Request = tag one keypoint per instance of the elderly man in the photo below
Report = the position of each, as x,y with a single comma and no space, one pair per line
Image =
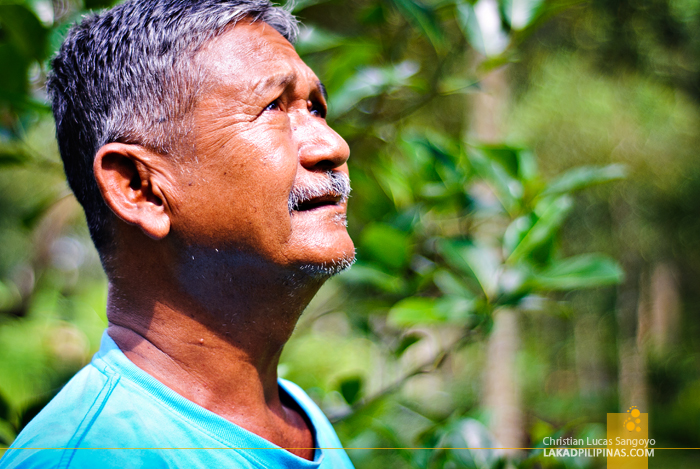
195,139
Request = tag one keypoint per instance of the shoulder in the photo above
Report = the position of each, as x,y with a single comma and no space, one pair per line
63,422
94,421
101,419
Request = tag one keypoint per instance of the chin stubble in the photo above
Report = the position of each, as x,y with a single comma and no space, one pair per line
328,269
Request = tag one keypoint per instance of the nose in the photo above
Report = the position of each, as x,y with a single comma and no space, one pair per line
320,147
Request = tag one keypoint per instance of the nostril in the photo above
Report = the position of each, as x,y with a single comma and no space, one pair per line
326,165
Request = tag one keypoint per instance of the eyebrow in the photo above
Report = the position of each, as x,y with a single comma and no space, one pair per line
281,80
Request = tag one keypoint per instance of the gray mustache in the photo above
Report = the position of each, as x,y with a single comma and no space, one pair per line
334,183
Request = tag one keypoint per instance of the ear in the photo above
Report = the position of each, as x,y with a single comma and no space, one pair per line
131,185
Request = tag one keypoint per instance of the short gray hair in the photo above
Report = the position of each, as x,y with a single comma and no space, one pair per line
128,75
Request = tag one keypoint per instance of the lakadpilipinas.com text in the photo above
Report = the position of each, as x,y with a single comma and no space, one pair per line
593,447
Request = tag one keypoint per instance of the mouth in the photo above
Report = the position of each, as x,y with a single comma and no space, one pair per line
330,191
329,200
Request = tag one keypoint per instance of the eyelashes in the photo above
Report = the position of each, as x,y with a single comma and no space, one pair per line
316,108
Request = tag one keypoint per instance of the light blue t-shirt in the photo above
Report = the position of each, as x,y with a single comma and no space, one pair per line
112,414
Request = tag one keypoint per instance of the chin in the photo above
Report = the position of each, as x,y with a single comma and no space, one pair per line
326,270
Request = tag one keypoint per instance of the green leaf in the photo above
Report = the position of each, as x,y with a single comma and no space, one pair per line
351,389
414,310
497,173
299,5
510,284
351,56
456,309
443,155
527,165
37,210
457,85
362,273
449,284
13,158
554,214
24,30
13,79
406,341
422,17
519,14
5,408
582,177
98,4
470,433
422,310
20,99
470,26
480,262
312,39
371,81
10,296
505,156
584,271
520,163
480,23
385,244
516,231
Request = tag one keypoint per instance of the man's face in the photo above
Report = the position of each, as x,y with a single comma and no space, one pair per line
260,130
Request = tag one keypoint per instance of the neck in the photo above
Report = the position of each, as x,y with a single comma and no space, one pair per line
214,340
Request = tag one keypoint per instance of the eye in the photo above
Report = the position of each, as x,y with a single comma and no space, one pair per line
317,109
273,106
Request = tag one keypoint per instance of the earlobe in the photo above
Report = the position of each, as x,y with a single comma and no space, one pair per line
131,187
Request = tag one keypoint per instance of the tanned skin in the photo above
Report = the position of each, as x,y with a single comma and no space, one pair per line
206,276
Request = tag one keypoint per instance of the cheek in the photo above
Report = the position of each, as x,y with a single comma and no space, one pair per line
238,193
271,158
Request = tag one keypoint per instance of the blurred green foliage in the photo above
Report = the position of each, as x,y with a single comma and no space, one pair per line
598,163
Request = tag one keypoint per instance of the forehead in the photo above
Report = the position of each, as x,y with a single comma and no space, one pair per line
251,52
